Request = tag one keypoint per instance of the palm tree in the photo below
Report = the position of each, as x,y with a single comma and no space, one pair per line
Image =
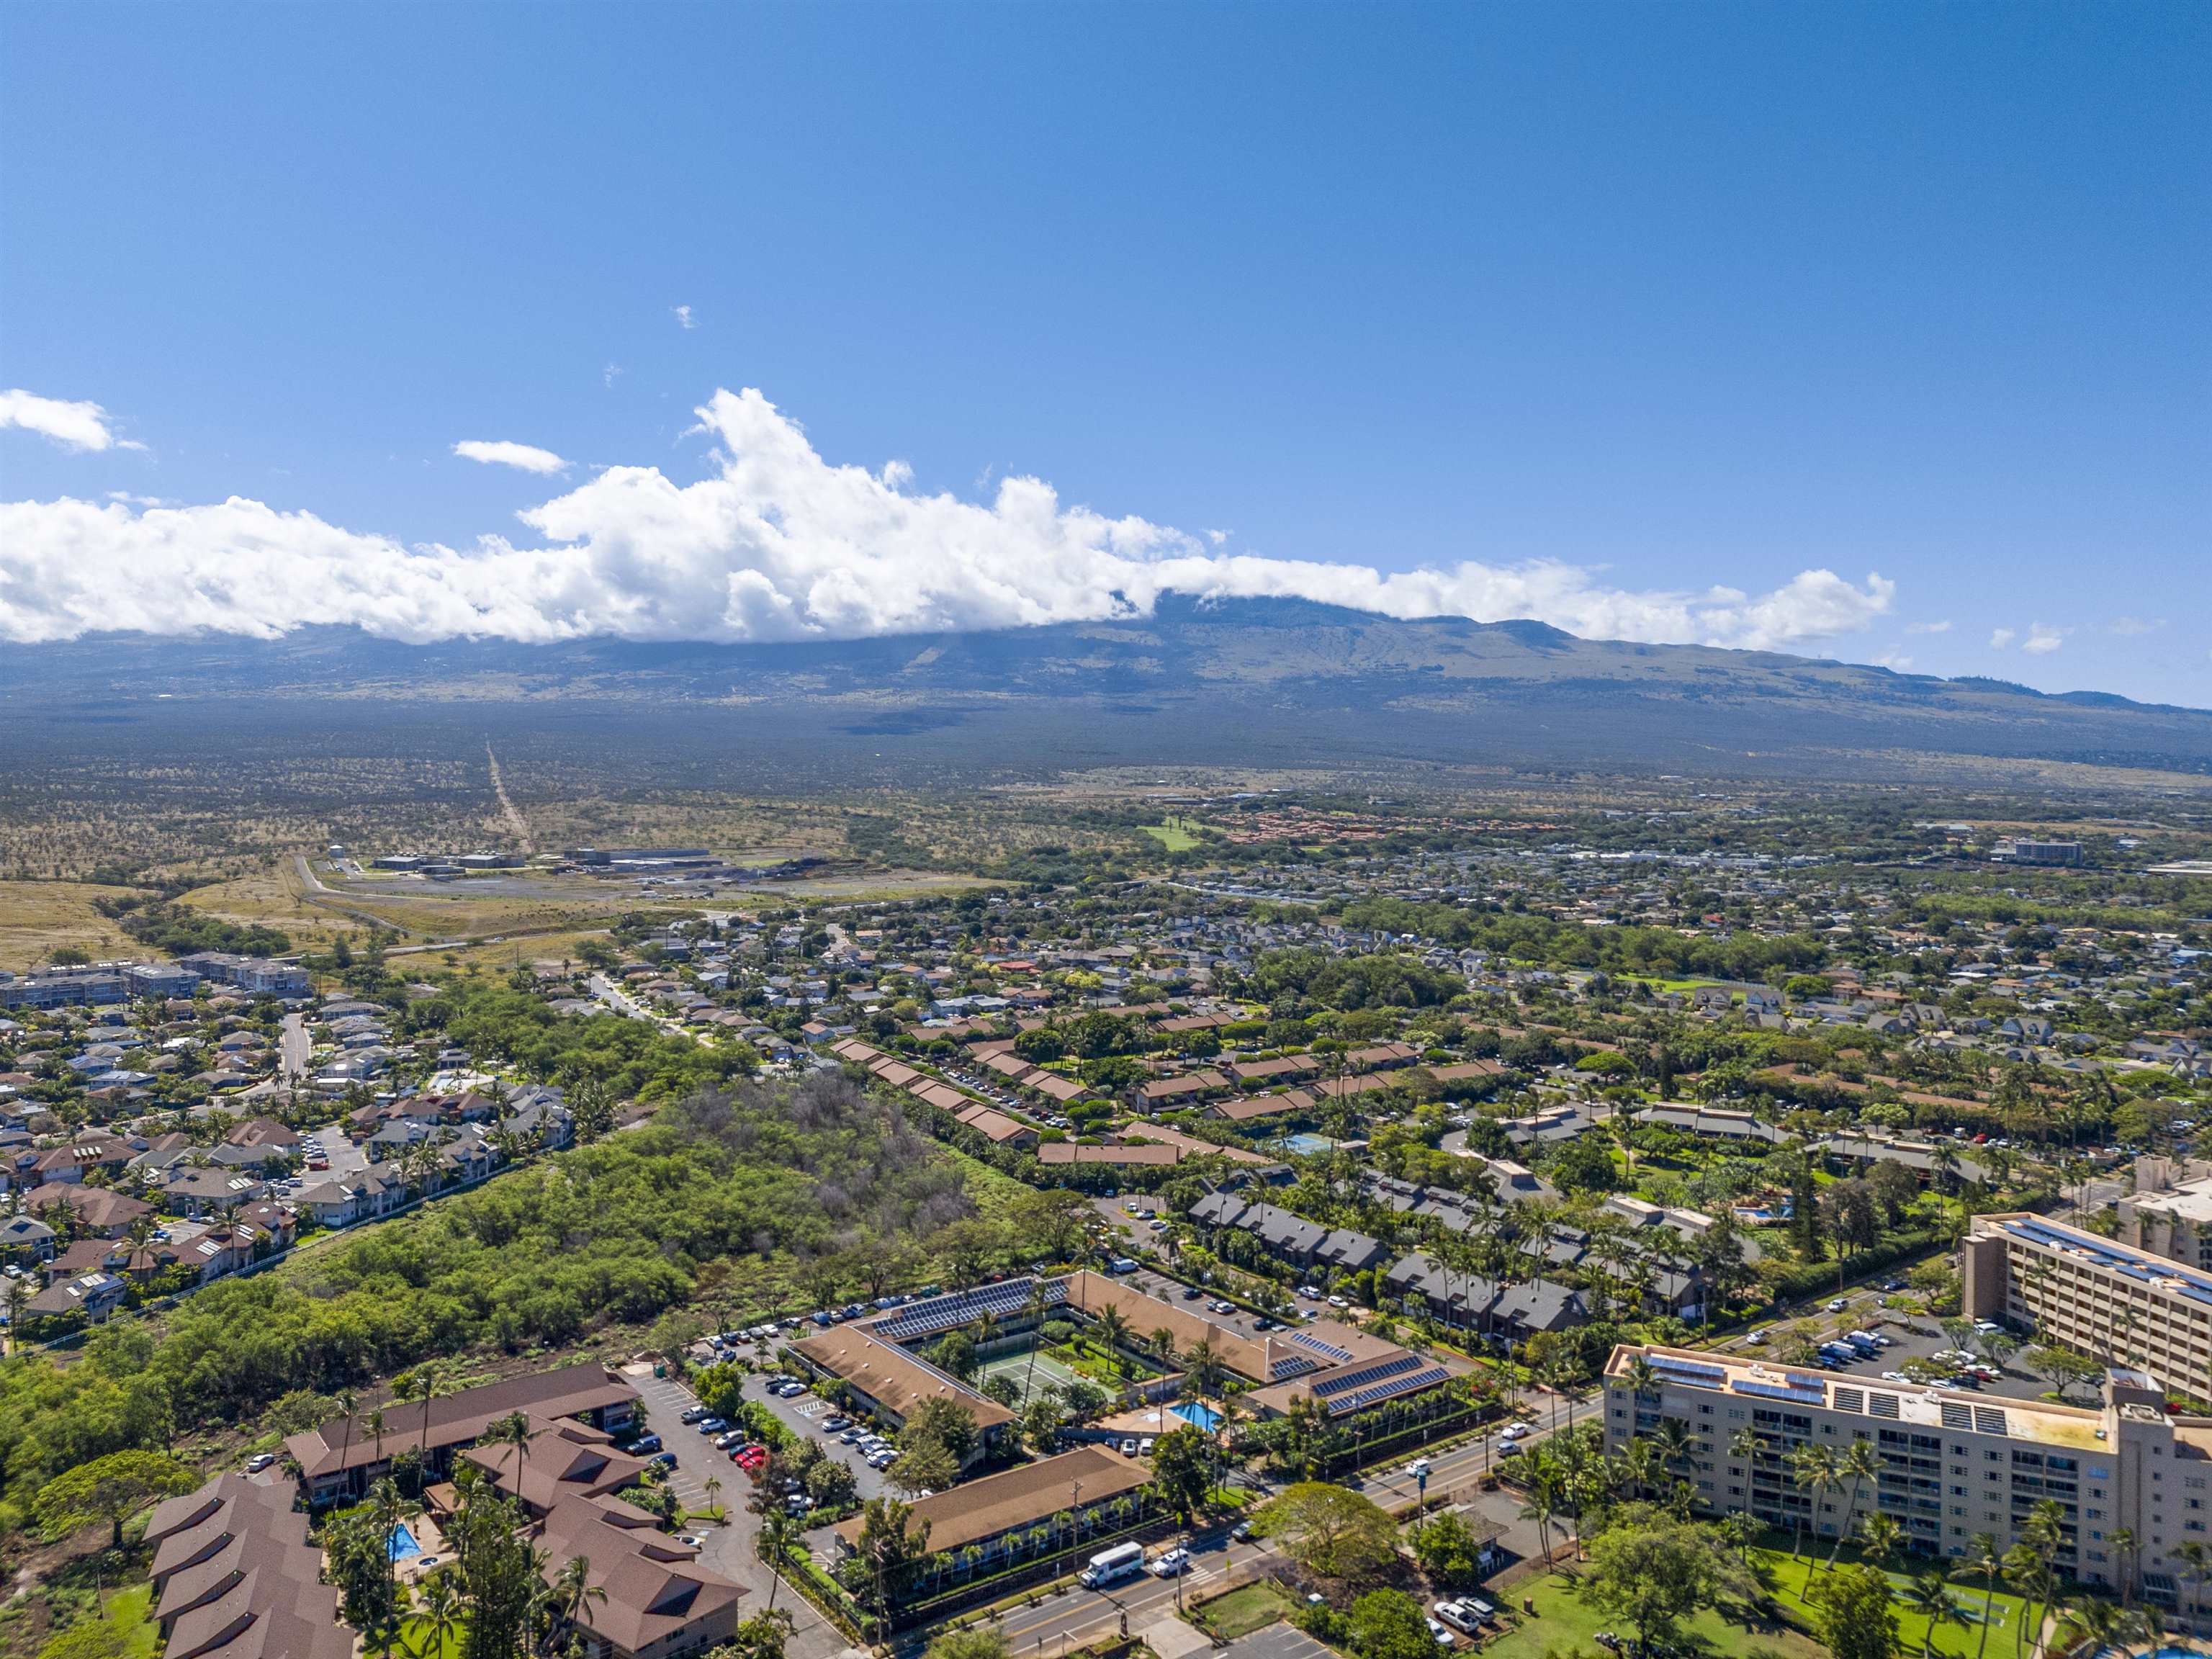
346,1403
1111,1329
1926,1596
442,1618
1542,1505
2196,1558
375,1427
427,1378
714,1488
775,1544
1813,1469
1982,1561
1671,1438
1745,1445
2023,1572
18,1300
1880,1537
513,1430
2123,1541
573,1592
1033,1311
1856,1462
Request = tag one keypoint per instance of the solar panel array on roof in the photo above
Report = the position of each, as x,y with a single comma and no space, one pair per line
945,1313
2146,1269
1688,1372
1811,1396
1332,1386
1307,1339
1374,1393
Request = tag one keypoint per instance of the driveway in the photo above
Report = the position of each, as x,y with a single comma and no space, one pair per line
729,1549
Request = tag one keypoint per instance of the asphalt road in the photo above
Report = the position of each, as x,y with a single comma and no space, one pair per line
296,1049
1075,1616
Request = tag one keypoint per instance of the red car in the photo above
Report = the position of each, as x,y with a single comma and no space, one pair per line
750,1459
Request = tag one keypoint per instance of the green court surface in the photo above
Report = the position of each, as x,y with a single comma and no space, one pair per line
1015,1368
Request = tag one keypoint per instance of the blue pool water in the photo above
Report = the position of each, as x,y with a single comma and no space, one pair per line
1203,1417
402,1543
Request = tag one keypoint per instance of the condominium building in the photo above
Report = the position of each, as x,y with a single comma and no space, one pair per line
2176,1223
2104,1298
1951,1465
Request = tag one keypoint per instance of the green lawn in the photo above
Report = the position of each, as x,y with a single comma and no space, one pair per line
1172,836
414,1636
129,1613
1787,1578
1253,1607
1563,1620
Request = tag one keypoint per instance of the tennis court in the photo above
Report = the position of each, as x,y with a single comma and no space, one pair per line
1050,1373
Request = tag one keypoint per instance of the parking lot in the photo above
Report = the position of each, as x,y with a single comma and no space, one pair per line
804,1415
1906,1344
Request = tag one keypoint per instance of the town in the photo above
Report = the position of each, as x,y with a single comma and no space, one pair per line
1380,1222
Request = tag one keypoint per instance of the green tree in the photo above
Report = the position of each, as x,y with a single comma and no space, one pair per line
1855,1618
1329,1529
111,1489
891,1545
1182,1469
1389,1623
1447,1552
1653,1571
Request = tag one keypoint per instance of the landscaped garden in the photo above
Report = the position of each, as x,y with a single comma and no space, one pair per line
1563,1619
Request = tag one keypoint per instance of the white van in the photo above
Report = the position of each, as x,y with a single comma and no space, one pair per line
1112,1566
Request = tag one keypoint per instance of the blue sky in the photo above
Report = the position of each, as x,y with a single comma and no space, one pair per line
1591,309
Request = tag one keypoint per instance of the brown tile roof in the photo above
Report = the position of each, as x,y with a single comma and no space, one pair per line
978,1510
459,1419
1068,1152
889,1374
1248,1107
655,1588
564,1459
1089,1292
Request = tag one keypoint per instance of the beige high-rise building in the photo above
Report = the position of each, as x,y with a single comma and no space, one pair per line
1952,1465
2111,1301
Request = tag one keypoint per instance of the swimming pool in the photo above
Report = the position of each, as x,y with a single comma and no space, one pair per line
402,1544
1203,1417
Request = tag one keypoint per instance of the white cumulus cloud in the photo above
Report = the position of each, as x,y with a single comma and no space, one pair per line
1928,628
684,318
2041,641
500,453
2002,637
81,426
777,544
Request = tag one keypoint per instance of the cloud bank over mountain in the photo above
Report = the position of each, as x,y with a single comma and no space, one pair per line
775,544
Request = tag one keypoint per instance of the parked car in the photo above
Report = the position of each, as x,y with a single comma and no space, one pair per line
259,1461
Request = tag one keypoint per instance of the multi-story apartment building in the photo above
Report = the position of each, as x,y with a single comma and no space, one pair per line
1952,1465
2176,1223
2108,1300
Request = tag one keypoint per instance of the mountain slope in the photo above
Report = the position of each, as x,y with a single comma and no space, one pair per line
1270,681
